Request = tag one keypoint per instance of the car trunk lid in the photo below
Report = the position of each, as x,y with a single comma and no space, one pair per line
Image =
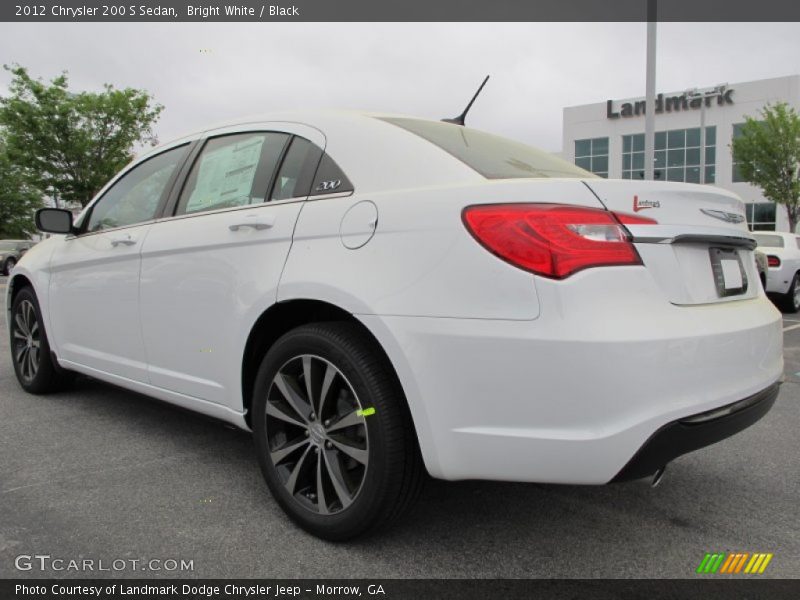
699,249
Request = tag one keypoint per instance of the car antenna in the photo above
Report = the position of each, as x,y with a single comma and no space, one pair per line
459,120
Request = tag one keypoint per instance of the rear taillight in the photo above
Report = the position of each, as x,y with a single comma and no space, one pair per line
773,261
552,240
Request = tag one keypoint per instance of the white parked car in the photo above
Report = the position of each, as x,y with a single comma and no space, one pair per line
378,296
783,267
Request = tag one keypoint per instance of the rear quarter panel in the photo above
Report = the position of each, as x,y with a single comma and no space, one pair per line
421,261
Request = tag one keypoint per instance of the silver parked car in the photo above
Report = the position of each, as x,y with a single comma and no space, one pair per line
10,253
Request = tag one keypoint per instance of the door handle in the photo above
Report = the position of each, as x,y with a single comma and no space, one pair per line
258,224
128,241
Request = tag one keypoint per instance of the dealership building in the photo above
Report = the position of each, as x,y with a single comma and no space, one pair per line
607,138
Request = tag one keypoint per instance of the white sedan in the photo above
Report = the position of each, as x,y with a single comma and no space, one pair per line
783,267
377,297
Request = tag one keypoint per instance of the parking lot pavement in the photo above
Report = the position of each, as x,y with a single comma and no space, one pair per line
106,474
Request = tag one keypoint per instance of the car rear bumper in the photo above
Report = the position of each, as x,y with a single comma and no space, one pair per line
571,397
697,431
779,279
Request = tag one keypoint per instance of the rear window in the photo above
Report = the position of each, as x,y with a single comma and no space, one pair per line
297,169
492,156
769,241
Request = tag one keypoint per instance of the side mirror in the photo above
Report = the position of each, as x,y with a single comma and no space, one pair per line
54,220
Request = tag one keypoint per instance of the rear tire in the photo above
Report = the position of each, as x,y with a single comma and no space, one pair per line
34,366
8,265
346,462
791,299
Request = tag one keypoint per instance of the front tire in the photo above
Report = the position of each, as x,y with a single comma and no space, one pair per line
791,300
34,366
333,432
9,265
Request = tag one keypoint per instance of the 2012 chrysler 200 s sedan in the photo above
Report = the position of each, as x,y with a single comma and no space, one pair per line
378,296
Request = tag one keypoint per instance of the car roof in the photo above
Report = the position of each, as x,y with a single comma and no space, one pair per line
319,118
351,136
312,117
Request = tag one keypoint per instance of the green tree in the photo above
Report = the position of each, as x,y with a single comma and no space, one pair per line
767,151
73,142
18,200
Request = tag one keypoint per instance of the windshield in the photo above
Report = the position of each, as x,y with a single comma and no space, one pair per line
769,241
492,156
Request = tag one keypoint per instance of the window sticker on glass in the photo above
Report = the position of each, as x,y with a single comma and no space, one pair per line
225,177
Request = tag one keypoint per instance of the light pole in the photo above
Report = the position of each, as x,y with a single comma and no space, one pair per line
650,92
704,96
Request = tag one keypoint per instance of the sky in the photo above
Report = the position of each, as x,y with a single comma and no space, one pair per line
207,73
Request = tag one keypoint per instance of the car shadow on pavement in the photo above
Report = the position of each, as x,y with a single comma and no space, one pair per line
193,476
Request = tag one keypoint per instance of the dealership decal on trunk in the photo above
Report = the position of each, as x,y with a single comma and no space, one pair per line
642,204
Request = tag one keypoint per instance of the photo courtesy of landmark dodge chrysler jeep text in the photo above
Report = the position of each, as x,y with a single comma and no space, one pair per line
379,296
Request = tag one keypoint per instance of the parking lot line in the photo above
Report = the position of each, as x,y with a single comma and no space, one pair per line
792,327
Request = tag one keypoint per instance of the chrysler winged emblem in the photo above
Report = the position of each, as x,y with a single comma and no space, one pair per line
728,217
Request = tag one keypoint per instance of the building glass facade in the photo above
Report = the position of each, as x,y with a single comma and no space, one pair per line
760,216
592,155
677,155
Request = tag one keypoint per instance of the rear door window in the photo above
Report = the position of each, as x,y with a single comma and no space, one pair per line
297,170
307,170
232,171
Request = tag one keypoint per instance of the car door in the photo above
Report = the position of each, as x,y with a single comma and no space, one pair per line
219,257
94,284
